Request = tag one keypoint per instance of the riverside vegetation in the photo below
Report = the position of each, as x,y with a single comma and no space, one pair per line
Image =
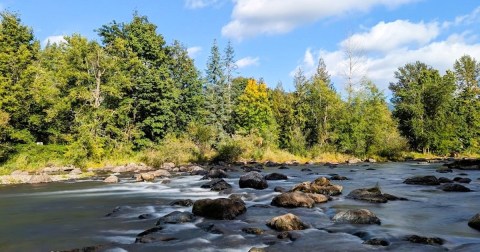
134,98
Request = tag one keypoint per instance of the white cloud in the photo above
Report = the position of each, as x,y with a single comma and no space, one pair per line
57,39
253,17
193,51
473,17
389,36
248,61
198,4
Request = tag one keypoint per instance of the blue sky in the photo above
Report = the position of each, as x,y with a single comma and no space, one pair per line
273,38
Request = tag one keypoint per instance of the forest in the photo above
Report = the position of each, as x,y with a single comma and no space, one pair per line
131,97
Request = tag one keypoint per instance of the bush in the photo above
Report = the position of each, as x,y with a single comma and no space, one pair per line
32,156
228,152
171,149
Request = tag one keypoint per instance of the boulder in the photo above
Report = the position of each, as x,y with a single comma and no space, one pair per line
215,173
111,179
161,173
221,209
42,178
283,167
318,198
321,185
373,194
377,242
276,176
255,231
462,180
168,166
306,170
422,180
253,180
279,189
290,235
293,199
146,216
474,222
75,171
424,240
454,188
286,222
356,216
182,202
338,177
371,160
466,164
147,177
176,218
353,161
217,185
443,180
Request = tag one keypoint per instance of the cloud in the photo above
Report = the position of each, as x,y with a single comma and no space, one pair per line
383,57
389,36
254,17
248,61
472,17
198,4
193,51
56,39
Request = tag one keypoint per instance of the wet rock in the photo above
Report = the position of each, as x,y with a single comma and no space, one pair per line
150,231
253,180
318,198
462,180
466,164
373,194
151,239
279,189
119,210
176,218
146,216
253,230
454,188
293,199
422,180
338,177
463,174
93,248
217,185
444,169
306,170
283,167
250,169
182,202
443,180
216,173
42,178
474,222
377,242
356,216
211,228
199,172
276,176
290,235
111,179
147,177
222,208
424,240
370,169
161,173
271,164
286,222
254,249
320,185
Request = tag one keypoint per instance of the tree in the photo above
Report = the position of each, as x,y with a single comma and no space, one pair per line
215,81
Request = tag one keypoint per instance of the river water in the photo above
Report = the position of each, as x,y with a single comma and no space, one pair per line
62,216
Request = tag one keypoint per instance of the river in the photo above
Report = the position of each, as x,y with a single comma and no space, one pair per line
68,215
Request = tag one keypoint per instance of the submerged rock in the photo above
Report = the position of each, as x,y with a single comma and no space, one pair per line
146,216
338,177
444,169
443,180
424,240
454,188
320,185
252,230
422,180
279,189
474,222
286,222
276,176
253,180
221,209
356,216
377,242
462,180
111,179
182,202
373,194
176,218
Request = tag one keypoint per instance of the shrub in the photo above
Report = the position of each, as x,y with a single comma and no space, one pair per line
171,149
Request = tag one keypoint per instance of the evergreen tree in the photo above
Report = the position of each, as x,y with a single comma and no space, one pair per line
215,81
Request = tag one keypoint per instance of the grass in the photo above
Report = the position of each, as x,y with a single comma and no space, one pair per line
31,157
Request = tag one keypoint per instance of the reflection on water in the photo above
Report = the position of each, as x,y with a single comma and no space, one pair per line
61,216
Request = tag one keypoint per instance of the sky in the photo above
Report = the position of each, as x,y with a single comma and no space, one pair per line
274,38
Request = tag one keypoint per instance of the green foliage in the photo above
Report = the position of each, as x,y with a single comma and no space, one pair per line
32,156
179,150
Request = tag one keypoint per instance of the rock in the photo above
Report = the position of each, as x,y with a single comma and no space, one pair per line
422,180
279,189
276,176
182,202
454,188
146,216
161,173
293,199
425,240
318,198
443,180
474,222
290,235
216,173
465,164
462,180
255,231
176,218
222,208
147,177
443,169
253,180
75,171
283,167
42,178
371,160
211,228
286,222
271,164
371,195
168,166
370,169
119,211
321,185
377,242
19,173
217,185
356,216
353,161
338,177
150,239
254,249
306,170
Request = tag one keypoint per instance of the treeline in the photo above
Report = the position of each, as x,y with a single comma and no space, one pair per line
133,93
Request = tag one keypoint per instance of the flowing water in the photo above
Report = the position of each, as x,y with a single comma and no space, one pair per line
62,216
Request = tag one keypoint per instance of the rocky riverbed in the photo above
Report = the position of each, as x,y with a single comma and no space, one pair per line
350,207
